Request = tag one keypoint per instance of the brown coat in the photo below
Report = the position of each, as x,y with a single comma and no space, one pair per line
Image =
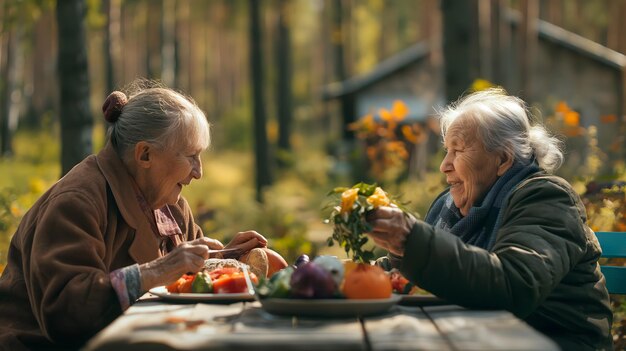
55,290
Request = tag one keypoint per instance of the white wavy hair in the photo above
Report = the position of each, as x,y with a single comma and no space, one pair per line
161,116
503,123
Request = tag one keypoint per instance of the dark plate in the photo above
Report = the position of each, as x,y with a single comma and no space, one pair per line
332,308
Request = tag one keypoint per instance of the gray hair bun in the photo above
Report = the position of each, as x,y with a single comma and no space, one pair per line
113,105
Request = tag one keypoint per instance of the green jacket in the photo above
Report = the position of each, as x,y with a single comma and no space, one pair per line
543,266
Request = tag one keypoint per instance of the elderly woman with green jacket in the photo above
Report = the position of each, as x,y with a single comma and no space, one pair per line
112,228
506,233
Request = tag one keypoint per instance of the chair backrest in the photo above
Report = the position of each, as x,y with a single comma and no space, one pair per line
613,245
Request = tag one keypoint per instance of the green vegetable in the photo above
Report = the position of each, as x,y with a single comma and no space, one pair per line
280,283
277,285
202,283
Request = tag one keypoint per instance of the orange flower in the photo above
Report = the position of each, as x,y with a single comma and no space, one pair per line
562,107
385,115
369,124
571,118
378,198
399,110
397,148
348,198
408,134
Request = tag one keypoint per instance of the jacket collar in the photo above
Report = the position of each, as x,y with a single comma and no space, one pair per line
144,247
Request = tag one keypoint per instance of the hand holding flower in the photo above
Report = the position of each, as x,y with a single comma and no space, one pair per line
390,226
350,222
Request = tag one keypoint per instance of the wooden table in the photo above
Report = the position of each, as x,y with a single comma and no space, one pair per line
159,325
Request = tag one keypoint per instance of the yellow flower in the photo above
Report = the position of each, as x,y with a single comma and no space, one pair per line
348,198
378,198
36,185
481,84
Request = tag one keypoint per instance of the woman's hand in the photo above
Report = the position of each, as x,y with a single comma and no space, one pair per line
390,226
246,241
187,257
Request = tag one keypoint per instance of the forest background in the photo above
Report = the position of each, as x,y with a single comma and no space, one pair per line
258,70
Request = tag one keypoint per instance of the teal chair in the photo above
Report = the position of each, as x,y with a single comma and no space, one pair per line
613,246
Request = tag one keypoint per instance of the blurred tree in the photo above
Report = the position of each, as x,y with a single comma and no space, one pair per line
339,35
41,92
12,75
485,44
183,66
457,50
168,43
5,88
528,44
500,41
111,42
263,177
283,86
76,119
153,39
6,45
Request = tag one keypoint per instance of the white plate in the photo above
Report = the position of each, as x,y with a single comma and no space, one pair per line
328,307
162,292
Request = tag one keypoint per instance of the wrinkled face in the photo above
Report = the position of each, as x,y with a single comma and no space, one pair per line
470,170
170,170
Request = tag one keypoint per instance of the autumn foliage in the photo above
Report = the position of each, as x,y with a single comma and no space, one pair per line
388,137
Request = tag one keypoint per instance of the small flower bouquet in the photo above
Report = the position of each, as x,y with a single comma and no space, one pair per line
348,218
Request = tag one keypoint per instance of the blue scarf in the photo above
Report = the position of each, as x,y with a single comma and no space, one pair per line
482,222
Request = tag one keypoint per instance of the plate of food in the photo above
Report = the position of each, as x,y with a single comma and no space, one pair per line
411,294
221,280
162,292
331,308
327,287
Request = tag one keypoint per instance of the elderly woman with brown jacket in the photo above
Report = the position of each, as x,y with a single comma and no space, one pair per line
506,233
112,228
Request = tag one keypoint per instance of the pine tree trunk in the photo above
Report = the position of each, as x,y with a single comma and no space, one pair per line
168,41
76,119
339,39
283,86
528,43
5,91
457,48
263,178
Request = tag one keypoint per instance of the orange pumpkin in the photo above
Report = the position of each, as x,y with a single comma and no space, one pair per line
366,282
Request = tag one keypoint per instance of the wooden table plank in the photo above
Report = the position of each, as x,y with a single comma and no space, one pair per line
406,328
486,330
158,326
259,330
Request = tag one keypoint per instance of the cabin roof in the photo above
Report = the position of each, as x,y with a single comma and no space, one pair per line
382,70
415,53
